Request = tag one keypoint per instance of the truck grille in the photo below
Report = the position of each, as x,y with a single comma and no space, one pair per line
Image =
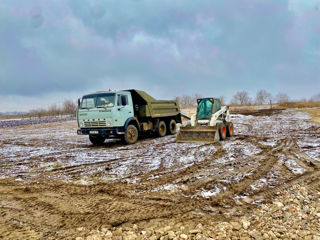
95,124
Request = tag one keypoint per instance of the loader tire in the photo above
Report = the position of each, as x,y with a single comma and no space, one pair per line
96,140
131,135
161,129
230,130
222,132
172,127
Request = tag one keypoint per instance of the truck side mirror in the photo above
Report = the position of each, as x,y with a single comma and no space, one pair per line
78,102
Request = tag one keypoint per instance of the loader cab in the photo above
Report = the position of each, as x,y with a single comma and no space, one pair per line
207,107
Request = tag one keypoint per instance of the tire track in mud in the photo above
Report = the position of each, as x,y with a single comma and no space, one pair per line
310,178
268,160
305,179
175,174
91,212
190,175
15,229
76,167
262,170
235,188
18,224
74,170
272,160
113,211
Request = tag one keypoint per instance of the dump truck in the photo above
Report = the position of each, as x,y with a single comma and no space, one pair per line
125,114
210,124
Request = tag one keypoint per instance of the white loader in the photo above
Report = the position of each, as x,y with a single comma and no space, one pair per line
211,123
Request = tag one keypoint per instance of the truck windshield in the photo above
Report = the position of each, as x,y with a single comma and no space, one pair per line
204,109
98,101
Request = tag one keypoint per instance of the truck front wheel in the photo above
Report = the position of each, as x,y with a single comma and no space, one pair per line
131,135
96,140
162,129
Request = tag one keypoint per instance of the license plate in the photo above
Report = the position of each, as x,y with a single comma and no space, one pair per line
94,132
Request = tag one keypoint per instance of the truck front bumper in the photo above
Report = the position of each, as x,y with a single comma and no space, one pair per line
106,132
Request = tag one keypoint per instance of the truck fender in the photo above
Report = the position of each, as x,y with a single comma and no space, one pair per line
132,120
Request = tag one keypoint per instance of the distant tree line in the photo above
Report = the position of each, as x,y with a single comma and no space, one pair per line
68,107
190,101
243,98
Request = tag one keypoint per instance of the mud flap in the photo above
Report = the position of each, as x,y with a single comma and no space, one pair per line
198,134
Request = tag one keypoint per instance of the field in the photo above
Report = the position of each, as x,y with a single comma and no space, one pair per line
55,184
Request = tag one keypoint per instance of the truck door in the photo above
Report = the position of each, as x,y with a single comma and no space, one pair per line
124,109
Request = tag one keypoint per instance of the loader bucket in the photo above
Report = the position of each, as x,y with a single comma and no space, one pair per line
198,134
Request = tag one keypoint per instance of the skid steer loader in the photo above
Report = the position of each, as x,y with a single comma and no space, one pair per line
211,123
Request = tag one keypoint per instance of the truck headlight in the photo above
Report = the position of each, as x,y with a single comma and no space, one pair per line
81,124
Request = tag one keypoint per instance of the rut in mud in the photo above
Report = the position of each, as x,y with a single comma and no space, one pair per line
52,181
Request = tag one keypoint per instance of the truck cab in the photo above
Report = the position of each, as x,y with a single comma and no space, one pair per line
123,114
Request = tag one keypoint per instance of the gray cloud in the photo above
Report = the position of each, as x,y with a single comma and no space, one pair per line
169,47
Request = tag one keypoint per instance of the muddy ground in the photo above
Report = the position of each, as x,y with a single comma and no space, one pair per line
53,181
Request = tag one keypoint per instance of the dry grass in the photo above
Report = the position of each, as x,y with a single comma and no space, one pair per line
299,105
189,111
238,109
234,109
313,112
11,117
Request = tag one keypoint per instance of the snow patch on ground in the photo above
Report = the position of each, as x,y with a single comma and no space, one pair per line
57,152
168,187
210,193
236,149
294,167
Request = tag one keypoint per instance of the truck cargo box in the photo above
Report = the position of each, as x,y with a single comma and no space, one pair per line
147,106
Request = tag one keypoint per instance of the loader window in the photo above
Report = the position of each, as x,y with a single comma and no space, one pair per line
217,105
204,109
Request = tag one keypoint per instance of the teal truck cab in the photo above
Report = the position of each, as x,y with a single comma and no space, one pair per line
125,114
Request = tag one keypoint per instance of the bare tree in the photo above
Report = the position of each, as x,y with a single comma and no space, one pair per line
54,110
282,98
222,100
241,97
69,107
315,98
37,113
194,99
186,101
262,97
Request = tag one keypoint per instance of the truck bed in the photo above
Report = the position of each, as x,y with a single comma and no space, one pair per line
147,106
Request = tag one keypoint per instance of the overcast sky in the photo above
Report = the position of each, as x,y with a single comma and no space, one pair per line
52,50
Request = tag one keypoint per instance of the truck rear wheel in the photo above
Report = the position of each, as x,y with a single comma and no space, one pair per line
230,130
172,127
131,134
162,129
96,140
222,132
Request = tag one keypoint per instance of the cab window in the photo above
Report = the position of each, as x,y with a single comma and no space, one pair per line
204,109
217,105
122,100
